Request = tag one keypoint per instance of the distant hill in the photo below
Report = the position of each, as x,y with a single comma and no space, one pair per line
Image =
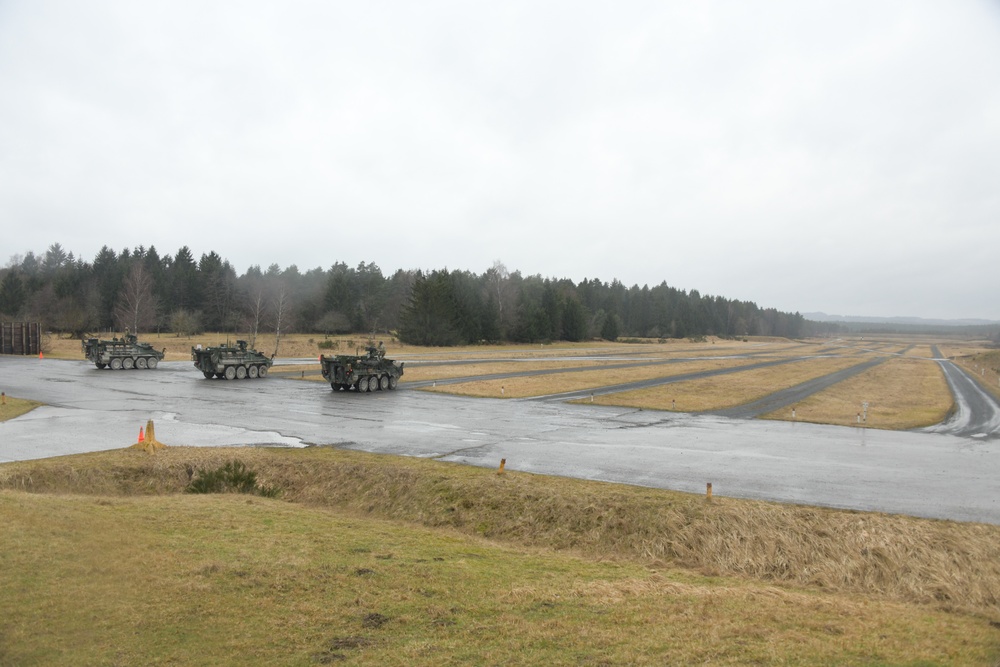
911,321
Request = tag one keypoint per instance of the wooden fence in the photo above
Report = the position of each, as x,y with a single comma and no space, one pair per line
20,338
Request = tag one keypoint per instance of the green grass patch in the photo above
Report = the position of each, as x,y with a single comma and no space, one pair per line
231,477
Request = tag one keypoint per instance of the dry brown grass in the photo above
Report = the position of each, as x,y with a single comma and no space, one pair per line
727,390
417,372
920,351
11,407
901,394
179,347
539,385
307,345
948,565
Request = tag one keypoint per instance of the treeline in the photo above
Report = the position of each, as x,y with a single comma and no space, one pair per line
144,291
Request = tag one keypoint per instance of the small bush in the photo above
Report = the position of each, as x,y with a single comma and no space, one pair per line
233,477
328,344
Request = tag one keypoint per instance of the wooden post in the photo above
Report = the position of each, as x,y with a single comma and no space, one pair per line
708,491
503,462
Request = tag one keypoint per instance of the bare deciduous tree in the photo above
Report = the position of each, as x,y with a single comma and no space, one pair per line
280,305
499,279
256,306
135,307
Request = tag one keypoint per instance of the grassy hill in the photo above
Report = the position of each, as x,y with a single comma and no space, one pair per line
368,559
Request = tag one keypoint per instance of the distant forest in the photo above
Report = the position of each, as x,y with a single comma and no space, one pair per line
144,291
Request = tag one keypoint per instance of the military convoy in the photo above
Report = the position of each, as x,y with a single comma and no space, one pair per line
371,372
122,353
230,362
361,372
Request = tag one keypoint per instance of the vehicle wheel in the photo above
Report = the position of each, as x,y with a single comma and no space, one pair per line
208,374
373,383
140,363
127,363
101,366
151,362
116,364
252,372
230,372
383,382
241,372
393,381
262,372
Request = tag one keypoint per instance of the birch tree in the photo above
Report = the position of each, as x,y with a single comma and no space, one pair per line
280,307
135,307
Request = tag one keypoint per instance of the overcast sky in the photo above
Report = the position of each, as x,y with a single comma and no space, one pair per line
809,156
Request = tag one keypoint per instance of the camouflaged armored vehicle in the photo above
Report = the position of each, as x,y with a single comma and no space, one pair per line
231,362
371,372
125,352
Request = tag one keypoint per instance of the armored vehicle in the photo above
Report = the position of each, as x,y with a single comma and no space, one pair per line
230,362
371,372
125,352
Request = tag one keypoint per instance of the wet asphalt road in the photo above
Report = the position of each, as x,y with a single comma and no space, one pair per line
918,473
975,413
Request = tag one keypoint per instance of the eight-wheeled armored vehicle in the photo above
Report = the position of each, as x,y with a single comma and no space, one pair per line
125,352
371,372
226,361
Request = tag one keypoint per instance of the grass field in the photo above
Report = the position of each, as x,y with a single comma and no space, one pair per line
901,393
308,346
376,560
537,385
727,390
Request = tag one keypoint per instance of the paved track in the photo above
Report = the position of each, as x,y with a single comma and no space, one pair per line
976,413
922,474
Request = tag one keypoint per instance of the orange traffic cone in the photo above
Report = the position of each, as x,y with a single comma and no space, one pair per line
142,436
40,355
